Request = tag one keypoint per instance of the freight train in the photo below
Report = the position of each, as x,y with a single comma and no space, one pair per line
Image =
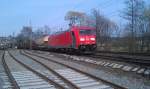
77,38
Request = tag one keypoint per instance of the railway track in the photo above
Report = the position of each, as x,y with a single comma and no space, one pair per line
30,78
112,62
57,78
6,82
104,82
115,65
125,53
142,61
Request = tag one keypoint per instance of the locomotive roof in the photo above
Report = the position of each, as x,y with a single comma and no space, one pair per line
78,27
84,27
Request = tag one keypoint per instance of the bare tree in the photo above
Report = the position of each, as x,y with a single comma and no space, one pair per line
42,31
47,30
104,28
24,38
75,17
147,28
133,14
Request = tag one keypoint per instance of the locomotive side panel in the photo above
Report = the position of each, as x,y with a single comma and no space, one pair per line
62,40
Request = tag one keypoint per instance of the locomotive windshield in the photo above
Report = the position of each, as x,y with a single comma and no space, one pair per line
87,32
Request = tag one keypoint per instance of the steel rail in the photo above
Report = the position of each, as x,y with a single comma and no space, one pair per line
120,58
39,74
115,86
69,83
126,53
141,62
8,72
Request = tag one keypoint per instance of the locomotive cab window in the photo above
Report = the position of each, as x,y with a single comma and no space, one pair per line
87,32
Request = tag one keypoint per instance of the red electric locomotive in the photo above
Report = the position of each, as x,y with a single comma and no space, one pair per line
76,38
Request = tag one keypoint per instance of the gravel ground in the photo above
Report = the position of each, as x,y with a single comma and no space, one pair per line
126,81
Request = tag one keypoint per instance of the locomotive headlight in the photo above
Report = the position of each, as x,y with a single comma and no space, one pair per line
82,39
92,39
